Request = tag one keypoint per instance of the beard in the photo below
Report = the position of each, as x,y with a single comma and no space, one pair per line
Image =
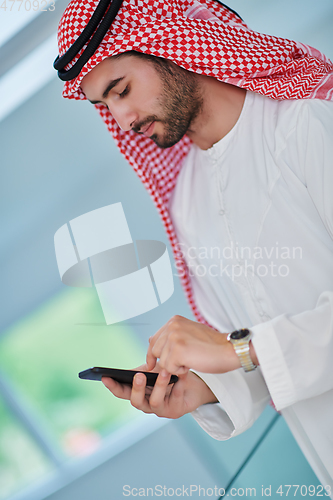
179,104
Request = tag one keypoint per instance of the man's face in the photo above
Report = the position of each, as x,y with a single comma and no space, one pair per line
152,97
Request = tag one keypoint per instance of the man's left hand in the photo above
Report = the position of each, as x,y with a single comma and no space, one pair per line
182,344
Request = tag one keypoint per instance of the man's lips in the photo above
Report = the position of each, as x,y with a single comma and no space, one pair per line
148,129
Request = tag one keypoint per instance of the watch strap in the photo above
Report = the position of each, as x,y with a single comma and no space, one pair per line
242,349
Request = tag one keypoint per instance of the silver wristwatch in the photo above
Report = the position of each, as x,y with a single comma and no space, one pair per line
240,339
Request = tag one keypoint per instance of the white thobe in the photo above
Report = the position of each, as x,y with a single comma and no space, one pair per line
254,217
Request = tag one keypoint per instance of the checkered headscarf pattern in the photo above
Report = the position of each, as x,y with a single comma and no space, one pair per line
200,36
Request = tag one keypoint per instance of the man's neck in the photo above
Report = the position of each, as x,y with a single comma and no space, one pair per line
221,108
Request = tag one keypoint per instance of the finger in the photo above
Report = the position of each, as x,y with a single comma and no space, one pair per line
150,358
121,391
138,393
157,346
170,360
176,401
181,370
160,390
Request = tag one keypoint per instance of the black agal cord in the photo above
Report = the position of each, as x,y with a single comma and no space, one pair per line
98,18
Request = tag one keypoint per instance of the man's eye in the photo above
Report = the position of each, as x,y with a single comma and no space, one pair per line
124,92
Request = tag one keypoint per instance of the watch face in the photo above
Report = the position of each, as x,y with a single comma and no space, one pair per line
239,334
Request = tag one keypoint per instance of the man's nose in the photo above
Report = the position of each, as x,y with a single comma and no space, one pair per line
124,116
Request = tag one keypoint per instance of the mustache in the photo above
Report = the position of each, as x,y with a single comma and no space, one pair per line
139,126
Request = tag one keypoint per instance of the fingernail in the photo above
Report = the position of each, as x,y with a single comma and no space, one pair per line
164,373
138,379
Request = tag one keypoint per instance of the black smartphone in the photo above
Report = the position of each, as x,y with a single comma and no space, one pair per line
122,376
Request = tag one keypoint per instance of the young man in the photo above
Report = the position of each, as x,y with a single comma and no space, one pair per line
229,169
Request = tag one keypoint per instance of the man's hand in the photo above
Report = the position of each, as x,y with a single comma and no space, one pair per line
169,401
182,344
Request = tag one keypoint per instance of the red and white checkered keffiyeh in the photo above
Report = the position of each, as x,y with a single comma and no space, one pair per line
200,36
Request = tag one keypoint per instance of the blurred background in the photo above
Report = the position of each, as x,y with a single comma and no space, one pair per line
60,437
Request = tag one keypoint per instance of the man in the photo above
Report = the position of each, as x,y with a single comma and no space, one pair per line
256,177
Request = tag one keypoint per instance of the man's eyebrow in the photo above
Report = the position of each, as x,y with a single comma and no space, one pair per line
110,86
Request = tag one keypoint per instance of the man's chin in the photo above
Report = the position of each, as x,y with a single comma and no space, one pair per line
165,143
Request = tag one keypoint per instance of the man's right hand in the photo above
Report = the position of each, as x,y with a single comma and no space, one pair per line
169,401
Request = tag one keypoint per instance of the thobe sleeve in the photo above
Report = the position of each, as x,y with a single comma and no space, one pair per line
295,352
242,398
